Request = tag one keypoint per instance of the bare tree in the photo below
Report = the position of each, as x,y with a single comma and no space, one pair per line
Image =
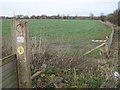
102,17
92,16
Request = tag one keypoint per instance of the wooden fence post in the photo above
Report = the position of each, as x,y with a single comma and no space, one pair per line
22,53
13,37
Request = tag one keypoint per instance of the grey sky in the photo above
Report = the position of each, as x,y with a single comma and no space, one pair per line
53,7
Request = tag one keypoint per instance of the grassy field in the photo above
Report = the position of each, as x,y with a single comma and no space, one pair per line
66,36
69,36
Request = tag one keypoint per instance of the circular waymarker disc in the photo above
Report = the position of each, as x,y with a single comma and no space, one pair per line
19,28
20,50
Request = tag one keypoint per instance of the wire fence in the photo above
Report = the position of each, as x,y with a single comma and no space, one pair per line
110,40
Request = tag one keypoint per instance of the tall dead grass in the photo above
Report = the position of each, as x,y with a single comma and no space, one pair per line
40,55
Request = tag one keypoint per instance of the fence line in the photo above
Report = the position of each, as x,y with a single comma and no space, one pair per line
110,40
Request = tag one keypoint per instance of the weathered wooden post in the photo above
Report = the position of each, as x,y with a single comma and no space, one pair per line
13,37
22,53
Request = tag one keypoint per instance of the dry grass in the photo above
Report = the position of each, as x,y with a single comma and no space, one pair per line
40,54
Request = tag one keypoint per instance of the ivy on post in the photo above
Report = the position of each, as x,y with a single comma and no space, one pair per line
22,53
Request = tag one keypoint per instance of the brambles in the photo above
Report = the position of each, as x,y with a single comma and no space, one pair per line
66,79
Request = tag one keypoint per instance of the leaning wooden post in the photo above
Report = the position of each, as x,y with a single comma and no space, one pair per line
22,53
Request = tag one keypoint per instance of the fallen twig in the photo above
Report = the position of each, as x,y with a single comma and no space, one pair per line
36,74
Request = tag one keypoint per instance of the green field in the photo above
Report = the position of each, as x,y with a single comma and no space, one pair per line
66,36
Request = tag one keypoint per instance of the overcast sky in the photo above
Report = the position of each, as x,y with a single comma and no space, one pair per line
53,7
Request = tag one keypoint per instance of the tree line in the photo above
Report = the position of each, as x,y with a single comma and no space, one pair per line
91,17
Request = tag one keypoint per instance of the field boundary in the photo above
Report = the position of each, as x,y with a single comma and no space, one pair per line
110,39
